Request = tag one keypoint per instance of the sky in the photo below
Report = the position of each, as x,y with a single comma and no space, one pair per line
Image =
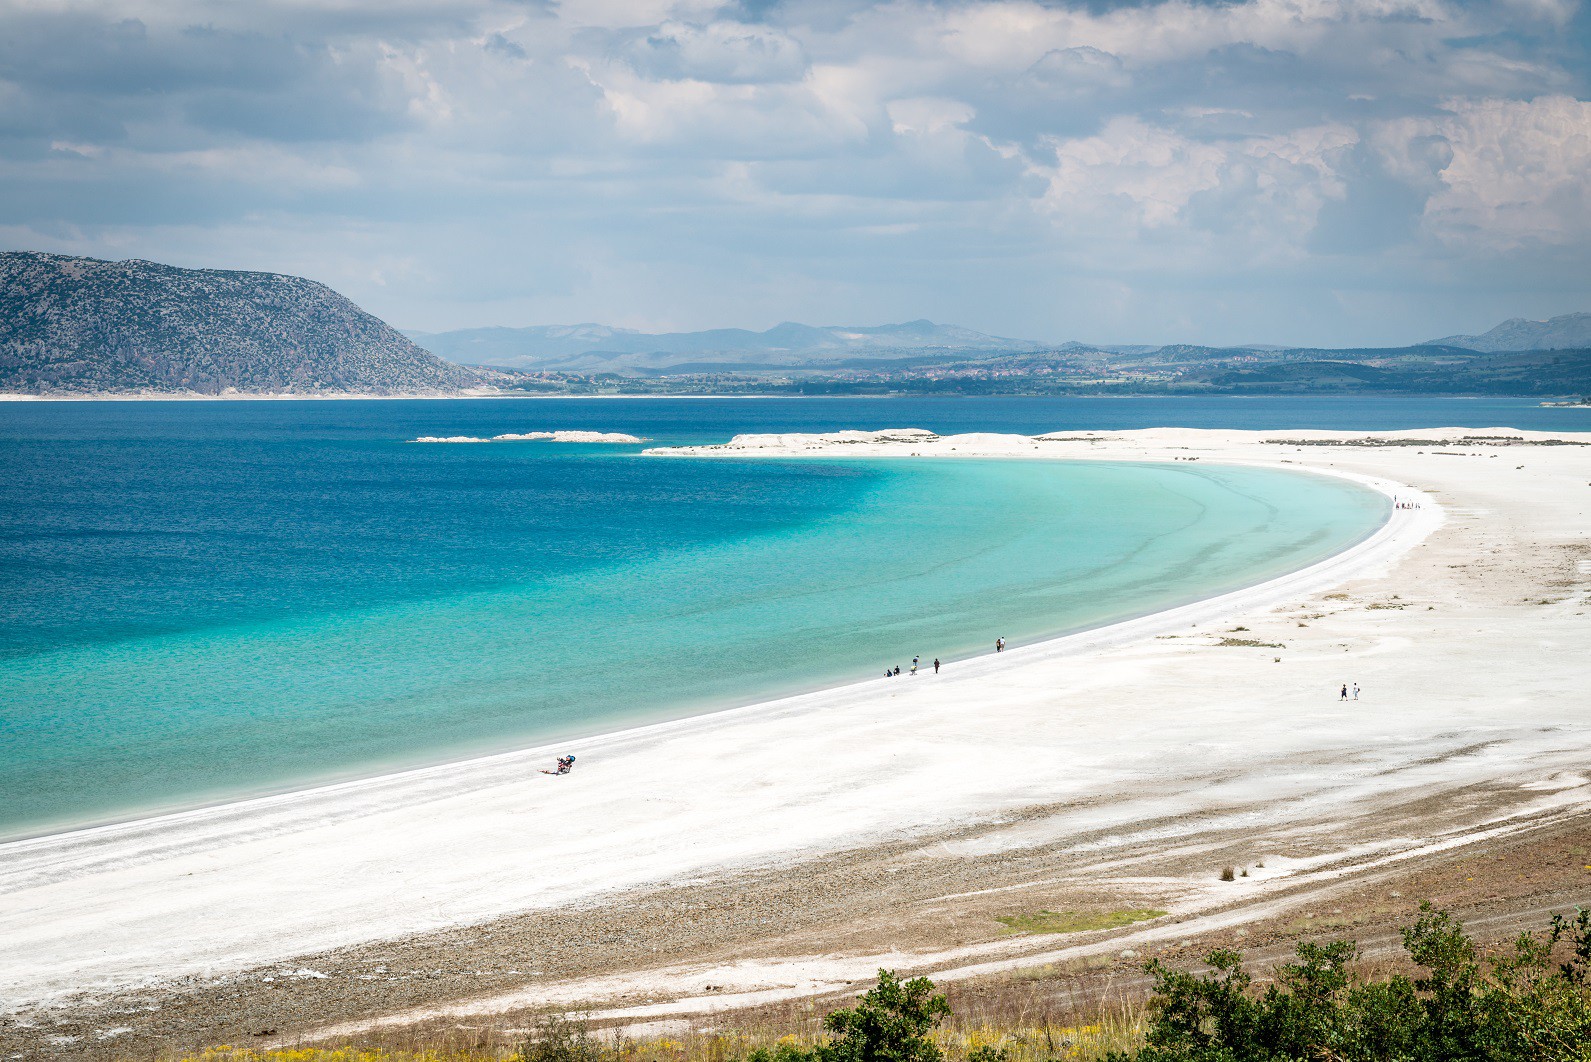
1332,172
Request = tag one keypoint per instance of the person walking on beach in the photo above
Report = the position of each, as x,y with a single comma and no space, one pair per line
1344,696
936,665
1356,691
999,645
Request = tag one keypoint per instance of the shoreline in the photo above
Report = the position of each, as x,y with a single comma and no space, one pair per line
1077,725
593,735
341,396
1535,401
221,823
1134,626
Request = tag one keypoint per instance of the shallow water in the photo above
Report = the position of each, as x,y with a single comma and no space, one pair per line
206,601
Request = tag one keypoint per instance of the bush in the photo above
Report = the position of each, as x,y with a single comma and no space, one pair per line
1516,1008
557,1039
891,1023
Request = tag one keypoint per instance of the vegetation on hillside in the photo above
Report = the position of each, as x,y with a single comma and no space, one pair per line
1522,1006
85,326
1166,371
1530,1003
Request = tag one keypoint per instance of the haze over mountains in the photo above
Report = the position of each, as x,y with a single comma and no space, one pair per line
601,348
82,326
587,348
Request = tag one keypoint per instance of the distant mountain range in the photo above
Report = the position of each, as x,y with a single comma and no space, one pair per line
600,348
1568,332
86,326
82,326
596,348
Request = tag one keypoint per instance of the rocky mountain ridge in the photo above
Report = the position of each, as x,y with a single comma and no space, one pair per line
1568,331
84,326
73,326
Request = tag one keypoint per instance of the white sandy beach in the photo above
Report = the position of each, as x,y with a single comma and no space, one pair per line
1471,678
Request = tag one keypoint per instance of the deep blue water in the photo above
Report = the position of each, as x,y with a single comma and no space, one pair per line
206,600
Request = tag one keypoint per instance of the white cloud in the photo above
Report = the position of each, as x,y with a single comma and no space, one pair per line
720,51
928,116
1148,174
1258,196
1520,173
809,155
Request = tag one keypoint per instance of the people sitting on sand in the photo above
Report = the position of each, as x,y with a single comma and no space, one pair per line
565,765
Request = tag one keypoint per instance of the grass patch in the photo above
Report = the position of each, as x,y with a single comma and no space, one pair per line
1332,923
1252,643
1076,921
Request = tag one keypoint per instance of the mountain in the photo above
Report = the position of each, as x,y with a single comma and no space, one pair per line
1570,331
87,326
593,347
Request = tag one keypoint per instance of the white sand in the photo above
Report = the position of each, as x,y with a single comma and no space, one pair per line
1158,724
536,436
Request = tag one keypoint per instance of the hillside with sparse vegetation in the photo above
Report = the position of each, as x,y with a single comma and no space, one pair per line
83,326
1450,1000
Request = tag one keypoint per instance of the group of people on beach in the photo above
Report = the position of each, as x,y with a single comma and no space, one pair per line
567,763
1344,695
1403,503
891,672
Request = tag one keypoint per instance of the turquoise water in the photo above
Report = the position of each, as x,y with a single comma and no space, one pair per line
200,608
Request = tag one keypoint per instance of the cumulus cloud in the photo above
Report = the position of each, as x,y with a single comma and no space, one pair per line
1054,168
1516,174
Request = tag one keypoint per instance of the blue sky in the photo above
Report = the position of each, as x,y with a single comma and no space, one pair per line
1296,171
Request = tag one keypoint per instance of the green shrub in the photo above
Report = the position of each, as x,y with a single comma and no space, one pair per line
1516,1008
557,1039
988,1053
890,1023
